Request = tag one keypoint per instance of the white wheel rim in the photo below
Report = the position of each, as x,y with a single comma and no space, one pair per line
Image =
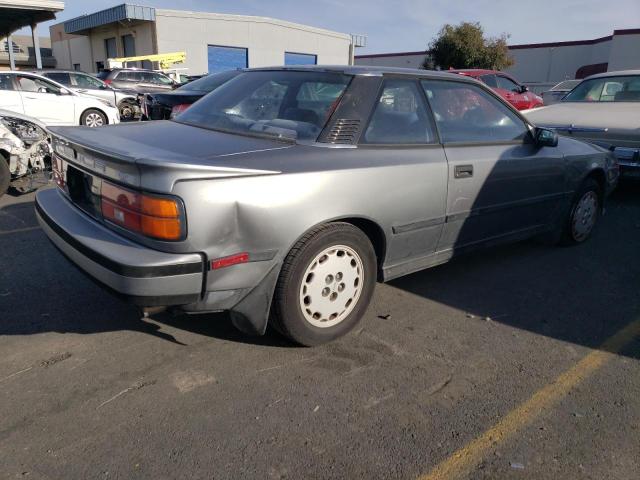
584,216
93,120
331,286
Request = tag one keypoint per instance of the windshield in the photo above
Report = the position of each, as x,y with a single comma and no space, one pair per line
566,85
210,82
607,89
291,105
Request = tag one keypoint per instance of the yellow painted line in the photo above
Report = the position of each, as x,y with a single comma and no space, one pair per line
466,458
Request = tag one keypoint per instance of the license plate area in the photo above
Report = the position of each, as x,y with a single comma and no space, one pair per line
83,189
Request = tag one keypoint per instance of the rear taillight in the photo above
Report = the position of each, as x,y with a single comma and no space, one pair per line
177,109
107,81
150,215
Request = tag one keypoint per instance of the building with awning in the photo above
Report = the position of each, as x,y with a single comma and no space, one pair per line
212,42
17,14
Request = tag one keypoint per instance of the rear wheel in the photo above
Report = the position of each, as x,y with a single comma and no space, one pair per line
5,175
93,118
325,285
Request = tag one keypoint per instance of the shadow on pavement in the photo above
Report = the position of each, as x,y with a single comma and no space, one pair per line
581,295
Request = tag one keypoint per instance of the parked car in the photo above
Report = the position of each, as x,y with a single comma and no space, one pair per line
51,102
506,86
287,192
86,84
137,79
163,106
603,109
25,148
555,94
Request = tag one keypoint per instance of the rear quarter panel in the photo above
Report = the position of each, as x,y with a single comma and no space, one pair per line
269,213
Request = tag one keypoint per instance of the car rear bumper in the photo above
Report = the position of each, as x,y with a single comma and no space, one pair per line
628,160
144,276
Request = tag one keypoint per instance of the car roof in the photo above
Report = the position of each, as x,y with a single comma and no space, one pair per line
474,71
618,73
365,70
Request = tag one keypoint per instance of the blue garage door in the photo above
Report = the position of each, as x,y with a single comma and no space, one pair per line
226,58
300,59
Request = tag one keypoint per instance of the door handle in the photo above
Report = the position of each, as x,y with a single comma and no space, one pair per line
463,171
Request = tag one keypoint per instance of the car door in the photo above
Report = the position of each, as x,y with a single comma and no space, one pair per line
45,100
500,183
10,98
402,133
512,92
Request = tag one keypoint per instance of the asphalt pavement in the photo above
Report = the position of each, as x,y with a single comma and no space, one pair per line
516,362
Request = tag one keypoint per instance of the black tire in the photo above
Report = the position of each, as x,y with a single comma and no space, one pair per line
91,114
5,175
286,312
570,235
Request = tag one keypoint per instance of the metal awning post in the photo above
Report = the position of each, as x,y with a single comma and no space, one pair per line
12,57
36,46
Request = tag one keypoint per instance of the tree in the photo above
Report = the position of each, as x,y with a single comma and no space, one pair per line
465,46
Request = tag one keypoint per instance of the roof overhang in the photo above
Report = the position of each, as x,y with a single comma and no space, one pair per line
15,14
120,13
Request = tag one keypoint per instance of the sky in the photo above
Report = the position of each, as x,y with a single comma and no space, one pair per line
409,25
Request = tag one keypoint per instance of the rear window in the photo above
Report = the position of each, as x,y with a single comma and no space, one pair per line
281,104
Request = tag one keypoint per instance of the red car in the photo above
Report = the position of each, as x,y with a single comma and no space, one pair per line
506,86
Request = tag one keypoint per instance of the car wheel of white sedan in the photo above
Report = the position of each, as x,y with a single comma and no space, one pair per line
93,118
325,284
584,213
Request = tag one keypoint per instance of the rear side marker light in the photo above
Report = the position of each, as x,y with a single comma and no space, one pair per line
230,260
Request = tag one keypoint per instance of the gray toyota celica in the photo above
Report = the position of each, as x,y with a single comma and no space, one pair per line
284,195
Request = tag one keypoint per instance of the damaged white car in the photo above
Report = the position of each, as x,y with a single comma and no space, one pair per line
25,150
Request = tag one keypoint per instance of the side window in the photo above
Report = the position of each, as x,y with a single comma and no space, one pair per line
161,79
489,80
36,85
59,77
6,82
400,116
507,84
86,81
466,113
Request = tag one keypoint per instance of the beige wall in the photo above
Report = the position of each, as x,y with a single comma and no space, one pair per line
89,49
625,52
266,39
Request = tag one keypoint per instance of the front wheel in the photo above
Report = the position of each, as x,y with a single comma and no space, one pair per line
93,118
325,285
584,213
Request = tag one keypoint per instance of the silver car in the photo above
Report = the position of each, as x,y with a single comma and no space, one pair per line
284,195
604,109
558,91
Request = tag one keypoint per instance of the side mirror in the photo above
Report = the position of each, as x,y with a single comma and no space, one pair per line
524,89
42,90
546,138
64,91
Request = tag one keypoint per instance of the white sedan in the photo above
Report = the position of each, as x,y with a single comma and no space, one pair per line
51,102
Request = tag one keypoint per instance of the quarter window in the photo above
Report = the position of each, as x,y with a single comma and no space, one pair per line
400,116
465,113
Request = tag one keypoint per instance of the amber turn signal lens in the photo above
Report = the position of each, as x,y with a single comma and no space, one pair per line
152,216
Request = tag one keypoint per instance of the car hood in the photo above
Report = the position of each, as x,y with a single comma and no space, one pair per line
616,123
175,150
